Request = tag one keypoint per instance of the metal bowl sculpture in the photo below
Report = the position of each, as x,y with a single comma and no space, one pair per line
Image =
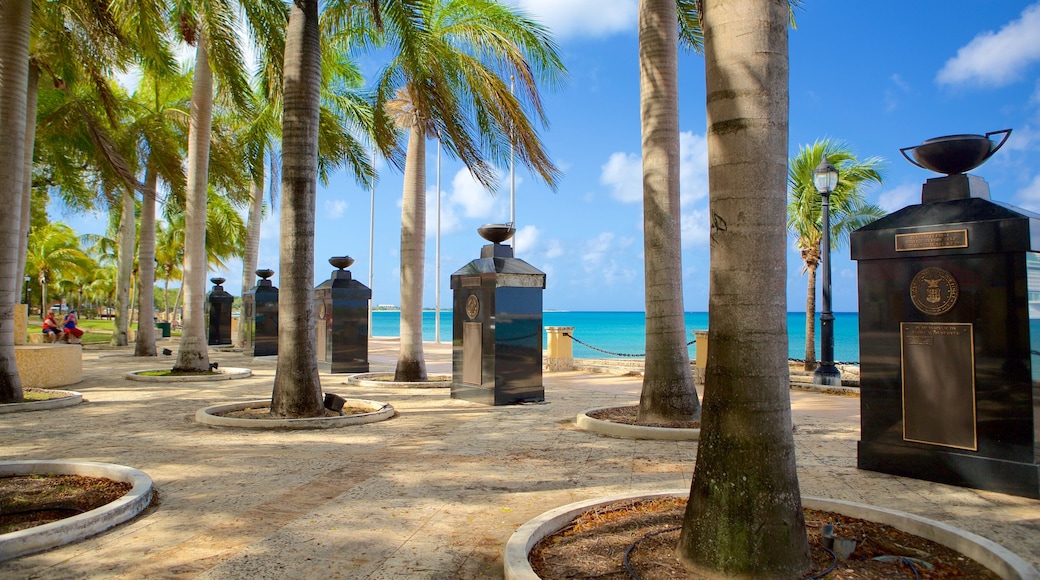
218,281
496,233
955,154
265,273
341,262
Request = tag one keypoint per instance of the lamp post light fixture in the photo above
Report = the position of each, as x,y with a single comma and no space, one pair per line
825,177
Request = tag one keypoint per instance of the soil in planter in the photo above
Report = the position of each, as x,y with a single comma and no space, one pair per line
627,416
33,500
264,412
594,544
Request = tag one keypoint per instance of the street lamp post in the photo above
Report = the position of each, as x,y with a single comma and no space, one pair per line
825,177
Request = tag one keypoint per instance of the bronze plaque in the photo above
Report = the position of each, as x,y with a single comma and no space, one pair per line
934,291
932,240
472,353
471,281
472,306
939,384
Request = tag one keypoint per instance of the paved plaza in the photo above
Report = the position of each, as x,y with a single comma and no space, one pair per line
433,493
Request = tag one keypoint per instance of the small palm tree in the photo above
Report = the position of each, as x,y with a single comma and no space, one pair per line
849,211
456,87
55,255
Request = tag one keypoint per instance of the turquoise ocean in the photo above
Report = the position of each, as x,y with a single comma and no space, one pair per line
624,332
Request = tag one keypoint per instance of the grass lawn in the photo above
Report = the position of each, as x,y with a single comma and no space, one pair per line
95,331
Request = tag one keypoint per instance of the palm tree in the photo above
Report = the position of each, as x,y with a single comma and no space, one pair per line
169,255
14,79
297,389
668,392
54,255
849,211
454,87
211,28
744,516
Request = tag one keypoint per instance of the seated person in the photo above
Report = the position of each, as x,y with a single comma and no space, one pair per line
71,333
51,332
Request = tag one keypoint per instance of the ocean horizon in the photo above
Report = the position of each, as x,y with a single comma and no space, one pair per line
623,334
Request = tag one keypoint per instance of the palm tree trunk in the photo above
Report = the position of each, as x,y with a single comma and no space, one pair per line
192,352
31,97
14,78
744,516
297,388
411,365
252,249
166,300
146,269
124,269
668,393
810,321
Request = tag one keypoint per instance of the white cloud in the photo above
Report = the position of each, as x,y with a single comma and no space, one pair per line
335,208
693,167
900,197
591,18
623,172
695,228
555,249
1029,196
474,199
450,221
526,239
999,58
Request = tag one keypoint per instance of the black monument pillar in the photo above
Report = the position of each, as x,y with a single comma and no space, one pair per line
341,304
260,317
219,305
497,326
949,336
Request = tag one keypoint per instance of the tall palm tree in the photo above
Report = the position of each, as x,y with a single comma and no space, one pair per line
297,389
210,26
456,84
14,80
169,255
668,392
849,211
744,516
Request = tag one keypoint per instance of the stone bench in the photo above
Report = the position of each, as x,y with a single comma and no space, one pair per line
46,366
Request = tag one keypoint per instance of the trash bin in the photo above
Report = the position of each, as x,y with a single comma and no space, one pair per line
164,327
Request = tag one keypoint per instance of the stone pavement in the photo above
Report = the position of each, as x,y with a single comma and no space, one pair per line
433,493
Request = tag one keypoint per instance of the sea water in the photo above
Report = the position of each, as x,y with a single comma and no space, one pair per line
623,334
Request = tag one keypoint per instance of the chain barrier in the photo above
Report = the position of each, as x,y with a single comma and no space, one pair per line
627,355
622,354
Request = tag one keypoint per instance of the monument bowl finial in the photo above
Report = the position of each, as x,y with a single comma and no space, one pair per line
496,233
954,154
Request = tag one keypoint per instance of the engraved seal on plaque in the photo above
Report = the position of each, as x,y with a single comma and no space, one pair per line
934,291
472,306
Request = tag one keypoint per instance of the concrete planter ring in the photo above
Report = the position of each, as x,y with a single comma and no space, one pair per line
375,411
997,558
220,374
80,526
624,431
380,380
65,399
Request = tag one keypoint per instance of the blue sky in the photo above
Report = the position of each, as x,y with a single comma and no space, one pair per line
878,75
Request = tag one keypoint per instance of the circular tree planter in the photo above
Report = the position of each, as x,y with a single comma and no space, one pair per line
625,431
997,558
382,380
377,411
80,526
220,374
67,399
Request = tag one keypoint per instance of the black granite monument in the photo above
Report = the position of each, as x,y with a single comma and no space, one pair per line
260,317
949,338
219,305
497,326
341,305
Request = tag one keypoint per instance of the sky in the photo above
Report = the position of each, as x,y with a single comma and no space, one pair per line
879,76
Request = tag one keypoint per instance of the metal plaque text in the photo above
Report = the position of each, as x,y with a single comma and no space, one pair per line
939,384
932,240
